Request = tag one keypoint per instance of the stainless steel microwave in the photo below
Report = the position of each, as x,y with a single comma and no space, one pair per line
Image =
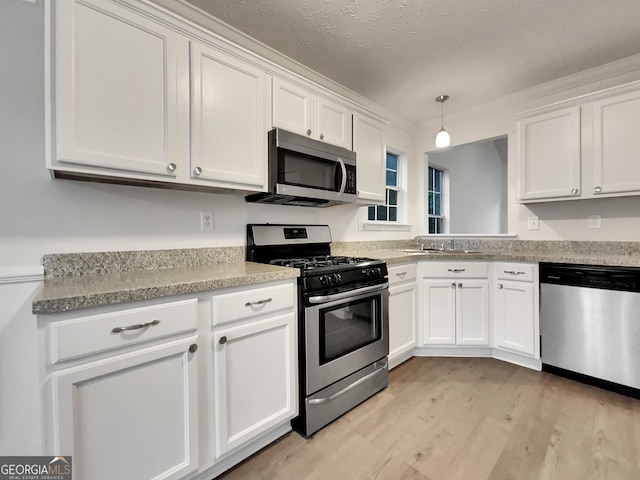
307,172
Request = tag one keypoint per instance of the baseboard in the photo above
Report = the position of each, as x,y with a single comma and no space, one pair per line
399,358
482,352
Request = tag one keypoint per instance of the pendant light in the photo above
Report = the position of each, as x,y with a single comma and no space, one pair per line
443,139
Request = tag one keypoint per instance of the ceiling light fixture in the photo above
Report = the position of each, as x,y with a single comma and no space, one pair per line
443,139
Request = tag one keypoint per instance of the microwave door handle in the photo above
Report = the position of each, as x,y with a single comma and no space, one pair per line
343,184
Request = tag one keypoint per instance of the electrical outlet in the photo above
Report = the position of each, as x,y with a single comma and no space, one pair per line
594,221
206,221
533,223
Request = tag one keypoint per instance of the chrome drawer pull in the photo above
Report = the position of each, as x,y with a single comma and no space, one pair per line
137,326
401,274
456,270
259,302
514,272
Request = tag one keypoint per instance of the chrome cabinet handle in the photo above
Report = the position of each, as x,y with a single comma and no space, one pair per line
456,270
259,302
309,131
137,326
514,272
197,171
193,348
172,167
574,191
321,136
597,189
401,274
500,286
459,285
453,285
223,340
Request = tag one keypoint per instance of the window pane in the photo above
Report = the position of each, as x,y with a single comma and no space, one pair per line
371,213
392,178
393,214
432,225
439,225
437,187
392,161
430,179
392,197
436,204
431,212
382,212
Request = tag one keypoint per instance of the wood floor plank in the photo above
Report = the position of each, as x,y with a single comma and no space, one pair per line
466,419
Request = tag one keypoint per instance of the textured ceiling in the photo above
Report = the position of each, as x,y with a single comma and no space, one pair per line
403,53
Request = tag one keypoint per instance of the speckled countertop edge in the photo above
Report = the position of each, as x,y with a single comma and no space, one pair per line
62,294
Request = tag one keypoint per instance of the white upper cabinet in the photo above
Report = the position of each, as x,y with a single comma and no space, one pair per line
121,91
228,120
587,150
549,151
303,112
368,143
616,144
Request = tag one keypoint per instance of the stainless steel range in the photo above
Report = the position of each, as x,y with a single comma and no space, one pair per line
342,319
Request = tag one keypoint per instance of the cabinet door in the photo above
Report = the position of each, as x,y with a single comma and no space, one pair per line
439,312
129,417
472,312
334,123
515,317
549,155
121,90
402,320
616,145
229,134
368,143
294,109
255,377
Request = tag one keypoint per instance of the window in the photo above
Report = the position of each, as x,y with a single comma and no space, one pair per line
389,211
436,203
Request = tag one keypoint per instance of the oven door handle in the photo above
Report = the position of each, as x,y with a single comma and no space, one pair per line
350,293
383,365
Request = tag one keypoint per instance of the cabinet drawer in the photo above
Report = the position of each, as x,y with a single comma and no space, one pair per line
456,269
97,333
522,272
402,273
248,303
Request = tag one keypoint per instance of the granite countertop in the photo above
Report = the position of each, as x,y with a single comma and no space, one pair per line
396,257
82,280
65,293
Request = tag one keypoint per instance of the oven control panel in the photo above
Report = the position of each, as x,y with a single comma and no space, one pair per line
350,277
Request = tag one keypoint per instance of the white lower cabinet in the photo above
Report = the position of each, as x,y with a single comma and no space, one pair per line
402,313
516,308
454,303
255,363
127,411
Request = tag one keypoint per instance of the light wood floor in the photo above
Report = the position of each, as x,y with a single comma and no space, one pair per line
470,419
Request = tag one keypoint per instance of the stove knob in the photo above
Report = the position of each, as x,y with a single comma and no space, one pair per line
379,272
336,278
323,281
339,278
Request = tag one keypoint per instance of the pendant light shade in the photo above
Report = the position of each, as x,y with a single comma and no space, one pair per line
443,139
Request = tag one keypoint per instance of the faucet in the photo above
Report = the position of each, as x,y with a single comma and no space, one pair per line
452,244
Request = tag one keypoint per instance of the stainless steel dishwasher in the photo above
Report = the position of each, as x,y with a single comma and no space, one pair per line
590,324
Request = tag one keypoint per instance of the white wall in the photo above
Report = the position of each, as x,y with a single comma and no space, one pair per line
477,187
558,220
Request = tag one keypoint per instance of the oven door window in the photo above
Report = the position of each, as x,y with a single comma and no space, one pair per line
296,168
349,326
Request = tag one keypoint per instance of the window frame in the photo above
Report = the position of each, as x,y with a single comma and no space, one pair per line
442,216
399,188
